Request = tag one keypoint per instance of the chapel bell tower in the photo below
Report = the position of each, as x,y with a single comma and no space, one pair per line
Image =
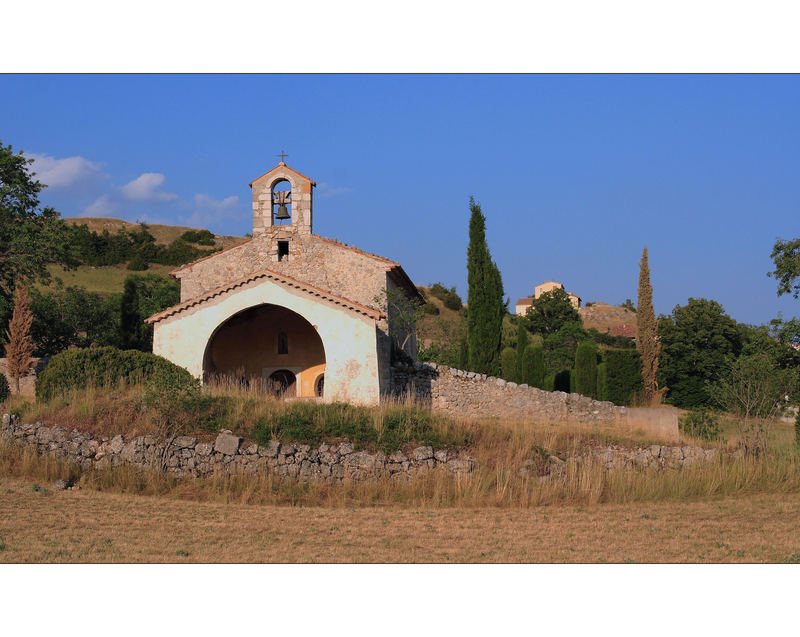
282,201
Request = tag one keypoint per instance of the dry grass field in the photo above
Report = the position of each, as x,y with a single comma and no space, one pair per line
90,526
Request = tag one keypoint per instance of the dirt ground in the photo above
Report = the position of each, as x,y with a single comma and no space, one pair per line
43,525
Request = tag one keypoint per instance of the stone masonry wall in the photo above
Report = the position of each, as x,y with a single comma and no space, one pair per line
461,393
231,455
312,259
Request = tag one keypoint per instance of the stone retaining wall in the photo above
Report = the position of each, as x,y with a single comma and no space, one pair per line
469,394
231,455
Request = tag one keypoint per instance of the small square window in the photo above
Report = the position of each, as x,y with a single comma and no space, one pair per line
283,250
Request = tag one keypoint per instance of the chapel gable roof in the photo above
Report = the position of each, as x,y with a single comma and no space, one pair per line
276,277
280,167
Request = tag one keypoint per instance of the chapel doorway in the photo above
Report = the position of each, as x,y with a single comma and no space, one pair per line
282,384
267,348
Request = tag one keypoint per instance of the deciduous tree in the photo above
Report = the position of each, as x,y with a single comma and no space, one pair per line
698,343
786,256
30,237
550,312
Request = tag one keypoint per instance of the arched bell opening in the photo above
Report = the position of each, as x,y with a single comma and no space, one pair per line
268,348
281,195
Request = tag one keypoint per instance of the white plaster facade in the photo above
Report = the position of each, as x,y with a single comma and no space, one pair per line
348,338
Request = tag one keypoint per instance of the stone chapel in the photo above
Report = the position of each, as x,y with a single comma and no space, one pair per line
293,312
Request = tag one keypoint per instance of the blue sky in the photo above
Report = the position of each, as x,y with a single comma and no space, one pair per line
575,173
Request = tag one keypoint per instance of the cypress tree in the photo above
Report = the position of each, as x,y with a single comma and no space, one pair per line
602,390
130,321
522,345
508,364
484,300
534,366
647,332
586,369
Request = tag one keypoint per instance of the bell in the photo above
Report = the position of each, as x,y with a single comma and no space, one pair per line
282,213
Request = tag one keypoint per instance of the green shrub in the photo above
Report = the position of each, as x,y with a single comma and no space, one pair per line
623,375
75,369
203,237
602,376
449,297
313,423
508,363
586,369
701,423
138,263
5,392
562,381
430,308
534,366
549,382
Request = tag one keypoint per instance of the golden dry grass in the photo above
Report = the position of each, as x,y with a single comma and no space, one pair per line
90,526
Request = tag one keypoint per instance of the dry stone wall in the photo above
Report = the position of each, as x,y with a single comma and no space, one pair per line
229,454
461,393
652,457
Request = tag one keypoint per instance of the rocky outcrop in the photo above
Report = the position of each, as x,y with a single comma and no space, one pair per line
230,454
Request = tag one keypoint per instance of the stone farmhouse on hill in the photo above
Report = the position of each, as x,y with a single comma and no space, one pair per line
548,286
300,314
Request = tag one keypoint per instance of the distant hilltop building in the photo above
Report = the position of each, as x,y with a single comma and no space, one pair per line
548,286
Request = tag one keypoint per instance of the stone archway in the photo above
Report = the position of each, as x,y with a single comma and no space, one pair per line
268,347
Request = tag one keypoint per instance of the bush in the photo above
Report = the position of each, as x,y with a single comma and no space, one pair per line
701,423
586,369
75,369
549,382
202,237
508,363
430,308
138,263
5,392
534,367
623,375
313,423
449,297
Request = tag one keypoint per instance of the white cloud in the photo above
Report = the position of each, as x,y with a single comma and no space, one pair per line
101,207
60,173
208,211
326,190
145,188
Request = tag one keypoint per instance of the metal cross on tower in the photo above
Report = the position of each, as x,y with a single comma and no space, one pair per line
283,156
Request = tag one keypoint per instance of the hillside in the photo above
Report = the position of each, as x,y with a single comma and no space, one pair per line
619,321
110,279
163,234
445,327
